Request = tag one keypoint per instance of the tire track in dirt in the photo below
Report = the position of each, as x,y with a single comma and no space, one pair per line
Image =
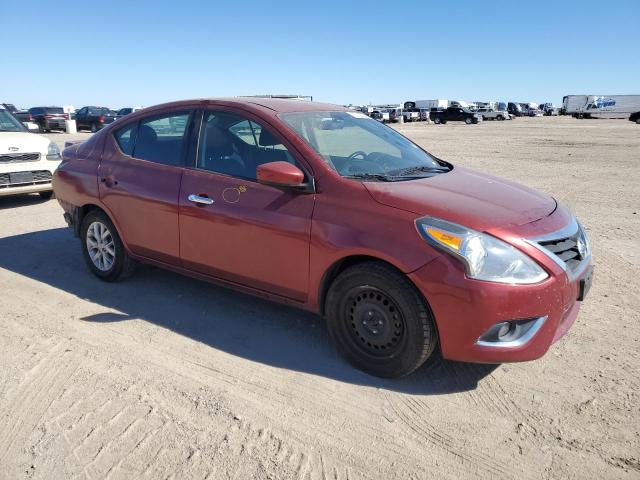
31,399
416,416
249,444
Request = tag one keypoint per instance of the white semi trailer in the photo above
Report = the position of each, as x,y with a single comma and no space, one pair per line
439,104
600,106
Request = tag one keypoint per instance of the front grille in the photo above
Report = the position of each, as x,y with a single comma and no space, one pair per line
38,177
569,250
41,176
19,157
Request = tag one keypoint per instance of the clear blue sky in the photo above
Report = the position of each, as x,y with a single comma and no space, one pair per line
126,53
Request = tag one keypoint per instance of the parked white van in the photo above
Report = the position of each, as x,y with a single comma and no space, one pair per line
27,160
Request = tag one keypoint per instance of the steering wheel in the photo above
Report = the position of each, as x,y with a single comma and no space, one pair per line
357,153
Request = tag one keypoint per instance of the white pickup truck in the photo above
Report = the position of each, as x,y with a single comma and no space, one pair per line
491,114
411,115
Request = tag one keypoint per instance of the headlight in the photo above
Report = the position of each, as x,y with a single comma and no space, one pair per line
485,257
53,152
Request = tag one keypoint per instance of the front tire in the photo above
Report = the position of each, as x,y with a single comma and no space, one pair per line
468,121
102,248
380,321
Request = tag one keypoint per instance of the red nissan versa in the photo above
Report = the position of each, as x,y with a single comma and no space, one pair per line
324,208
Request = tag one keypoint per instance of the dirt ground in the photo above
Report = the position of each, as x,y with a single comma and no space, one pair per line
163,376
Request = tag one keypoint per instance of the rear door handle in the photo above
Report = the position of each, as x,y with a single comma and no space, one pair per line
199,199
109,181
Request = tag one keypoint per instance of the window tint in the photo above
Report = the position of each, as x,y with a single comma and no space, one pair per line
160,138
125,137
233,145
54,110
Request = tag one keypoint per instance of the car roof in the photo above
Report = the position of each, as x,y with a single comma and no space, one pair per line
275,105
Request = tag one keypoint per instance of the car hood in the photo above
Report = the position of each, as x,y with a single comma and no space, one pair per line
475,200
22,142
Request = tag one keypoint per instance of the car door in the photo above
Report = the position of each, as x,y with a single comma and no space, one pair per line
81,117
139,182
233,227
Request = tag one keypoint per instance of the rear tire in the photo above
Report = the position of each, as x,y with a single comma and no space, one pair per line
468,121
94,128
437,121
102,248
379,320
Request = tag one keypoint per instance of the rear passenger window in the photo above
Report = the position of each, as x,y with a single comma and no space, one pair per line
160,139
125,137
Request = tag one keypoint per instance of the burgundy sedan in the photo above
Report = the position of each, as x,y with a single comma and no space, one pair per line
321,207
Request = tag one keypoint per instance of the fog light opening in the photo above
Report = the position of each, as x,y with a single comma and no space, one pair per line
511,333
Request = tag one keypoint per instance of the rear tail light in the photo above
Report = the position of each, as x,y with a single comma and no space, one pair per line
30,118
101,119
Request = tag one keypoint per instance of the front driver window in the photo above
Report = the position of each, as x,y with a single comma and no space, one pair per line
235,146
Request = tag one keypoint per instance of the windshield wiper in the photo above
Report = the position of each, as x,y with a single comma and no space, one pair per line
371,176
422,168
381,177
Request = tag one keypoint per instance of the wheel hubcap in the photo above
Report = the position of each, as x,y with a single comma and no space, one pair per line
376,324
100,246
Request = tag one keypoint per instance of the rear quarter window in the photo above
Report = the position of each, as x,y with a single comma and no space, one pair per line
125,137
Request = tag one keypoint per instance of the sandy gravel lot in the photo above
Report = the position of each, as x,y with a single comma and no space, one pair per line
163,376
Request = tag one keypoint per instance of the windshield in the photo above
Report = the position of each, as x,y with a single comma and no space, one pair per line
8,122
357,146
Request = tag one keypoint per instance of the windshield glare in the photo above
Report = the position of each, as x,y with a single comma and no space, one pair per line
354,144
8,122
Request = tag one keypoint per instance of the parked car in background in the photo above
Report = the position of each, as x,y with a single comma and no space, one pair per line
48,118
515,109
455,114
635,117
94,118
27,160
402,253
412,115
549,109
410,112
491,114
380,115
126,111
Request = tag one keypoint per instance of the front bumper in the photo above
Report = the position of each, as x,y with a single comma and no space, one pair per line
24,189
464,309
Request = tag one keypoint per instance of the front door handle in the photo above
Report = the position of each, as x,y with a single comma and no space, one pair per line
200,199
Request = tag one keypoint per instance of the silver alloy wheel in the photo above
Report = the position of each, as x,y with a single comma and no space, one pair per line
101,247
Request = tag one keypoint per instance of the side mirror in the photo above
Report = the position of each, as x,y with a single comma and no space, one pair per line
280,174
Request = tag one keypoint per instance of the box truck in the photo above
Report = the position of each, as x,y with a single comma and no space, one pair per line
600,106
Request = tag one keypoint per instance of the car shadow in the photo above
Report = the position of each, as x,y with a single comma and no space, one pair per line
22,200
221,318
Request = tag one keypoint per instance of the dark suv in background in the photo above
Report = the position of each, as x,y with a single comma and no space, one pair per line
94,118
48,118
